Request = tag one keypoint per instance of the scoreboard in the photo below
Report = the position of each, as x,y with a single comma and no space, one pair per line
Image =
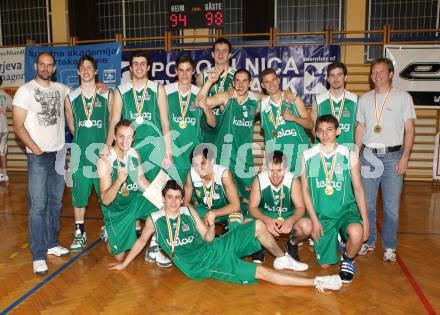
195,14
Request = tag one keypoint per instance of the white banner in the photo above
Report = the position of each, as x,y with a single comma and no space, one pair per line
417,70
12,66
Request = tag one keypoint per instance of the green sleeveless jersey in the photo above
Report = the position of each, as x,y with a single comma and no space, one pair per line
236,135
222,85
191,252
185,139
347,122
275,201
121,202
93,137
219,199
330,206
289,137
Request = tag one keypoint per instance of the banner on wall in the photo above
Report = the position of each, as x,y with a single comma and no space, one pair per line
108,56
417,70
301,68
12,66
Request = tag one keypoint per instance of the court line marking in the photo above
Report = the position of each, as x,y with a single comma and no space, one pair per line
407,273
49,278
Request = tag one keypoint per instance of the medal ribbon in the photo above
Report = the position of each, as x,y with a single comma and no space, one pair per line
239,100
173,240
139,105
88,110
341,108
209,194
379,117
183,105
271,116
328,175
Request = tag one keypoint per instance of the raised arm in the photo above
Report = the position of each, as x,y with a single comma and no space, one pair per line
231,195
207,231
115,116
165,123
109,190
303,119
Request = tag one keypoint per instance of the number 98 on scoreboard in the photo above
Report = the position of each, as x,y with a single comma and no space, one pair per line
195,14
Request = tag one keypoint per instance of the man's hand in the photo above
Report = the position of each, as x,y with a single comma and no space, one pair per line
402,166
214,75
104,151
116,266
210,218
289,96
286,226
272,226
317,230
37,151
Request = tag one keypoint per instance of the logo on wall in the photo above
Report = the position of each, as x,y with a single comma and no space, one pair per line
314,77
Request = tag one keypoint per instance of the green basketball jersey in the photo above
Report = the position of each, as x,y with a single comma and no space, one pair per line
276,200
289,137
222,85
191,252
184,140
121,202
347,123
334,205
219,199
94,137
236,136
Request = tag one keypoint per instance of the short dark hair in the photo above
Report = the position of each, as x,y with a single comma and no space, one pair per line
139,54
222,40
242,70
276,157
88,58
386,61
47,53
124,123
184,58
266,72
202,149
337,65
328,119
172,184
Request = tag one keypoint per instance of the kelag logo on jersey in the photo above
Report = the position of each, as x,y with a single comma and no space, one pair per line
145,115
182,241
189,120
95,123
286,132
344,127
323,184
241,122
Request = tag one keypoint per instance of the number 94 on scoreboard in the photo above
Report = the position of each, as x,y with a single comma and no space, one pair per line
195,14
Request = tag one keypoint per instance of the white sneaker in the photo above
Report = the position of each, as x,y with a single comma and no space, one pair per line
5,178
58,251
365,248
287,262
311,242
2,178
328,282
389,255
154,254
40,267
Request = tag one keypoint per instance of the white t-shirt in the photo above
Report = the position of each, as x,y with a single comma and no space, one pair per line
5,104
45,113
398,109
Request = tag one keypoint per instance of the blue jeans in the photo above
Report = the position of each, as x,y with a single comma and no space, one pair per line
381,169
45,193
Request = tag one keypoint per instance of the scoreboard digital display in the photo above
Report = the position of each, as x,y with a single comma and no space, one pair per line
195,14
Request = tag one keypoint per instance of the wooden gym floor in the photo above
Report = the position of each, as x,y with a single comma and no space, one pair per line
81,283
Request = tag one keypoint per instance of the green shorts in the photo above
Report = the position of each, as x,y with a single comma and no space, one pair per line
227,251
121,224
82,187
326,246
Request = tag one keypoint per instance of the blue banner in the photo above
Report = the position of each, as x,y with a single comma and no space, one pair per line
301,68
108,57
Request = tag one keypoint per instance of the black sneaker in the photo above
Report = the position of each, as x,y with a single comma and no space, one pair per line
258,257
292,250
347,271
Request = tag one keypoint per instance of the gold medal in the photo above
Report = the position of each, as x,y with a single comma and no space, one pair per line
182,124
377,129
329,190
139,120
274,133
88,123
172,240
125,191
280,219
88,110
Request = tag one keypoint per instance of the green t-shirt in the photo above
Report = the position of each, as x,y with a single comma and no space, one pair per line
88,137
347,122
334,205
276,200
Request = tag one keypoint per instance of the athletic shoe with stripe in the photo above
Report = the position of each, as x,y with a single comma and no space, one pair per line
328,282
79,241
347,271
287,262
